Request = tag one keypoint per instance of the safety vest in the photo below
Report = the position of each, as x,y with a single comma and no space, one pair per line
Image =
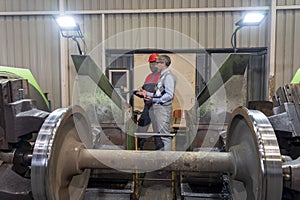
159,88
150,82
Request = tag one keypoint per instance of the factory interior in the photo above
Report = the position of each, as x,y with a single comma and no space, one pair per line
79,120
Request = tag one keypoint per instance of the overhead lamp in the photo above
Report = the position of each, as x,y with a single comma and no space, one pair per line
70,29
249,19
67,23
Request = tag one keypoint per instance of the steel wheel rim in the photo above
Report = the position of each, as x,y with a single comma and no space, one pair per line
45,159
251,131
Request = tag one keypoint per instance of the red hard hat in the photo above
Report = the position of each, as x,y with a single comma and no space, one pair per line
152,57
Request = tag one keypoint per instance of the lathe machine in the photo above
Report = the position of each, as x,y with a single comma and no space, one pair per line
50,155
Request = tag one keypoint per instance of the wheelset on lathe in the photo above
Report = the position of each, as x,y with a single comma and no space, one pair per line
63,157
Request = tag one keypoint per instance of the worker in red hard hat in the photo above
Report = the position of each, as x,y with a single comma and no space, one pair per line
152,57
152,64
149,85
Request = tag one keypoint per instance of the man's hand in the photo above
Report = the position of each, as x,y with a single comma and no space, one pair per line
148,98
142,93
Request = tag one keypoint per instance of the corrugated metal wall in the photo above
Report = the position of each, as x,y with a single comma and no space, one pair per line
28,5
179,30
287,46
33,41
159,4
287,2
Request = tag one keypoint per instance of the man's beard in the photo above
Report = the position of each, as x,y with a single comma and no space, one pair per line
153,69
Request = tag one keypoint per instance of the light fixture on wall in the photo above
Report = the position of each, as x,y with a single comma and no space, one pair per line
70,29
249,19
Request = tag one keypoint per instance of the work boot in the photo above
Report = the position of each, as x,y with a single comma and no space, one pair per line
159,146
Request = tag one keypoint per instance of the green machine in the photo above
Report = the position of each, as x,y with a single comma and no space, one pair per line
296,78
35,92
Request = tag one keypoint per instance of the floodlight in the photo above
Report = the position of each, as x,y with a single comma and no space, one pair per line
66,23
70,29
249,19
